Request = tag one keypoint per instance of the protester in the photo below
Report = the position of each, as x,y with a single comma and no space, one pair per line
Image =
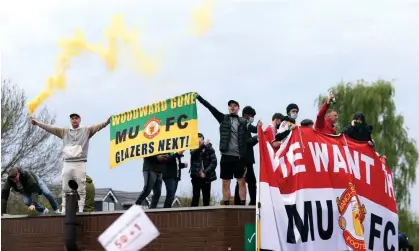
153,167
359,129
307,123
233,146
89,205
326,118
249,113
203,164
30,186
172,176
76,146
404,244
288,123
272,129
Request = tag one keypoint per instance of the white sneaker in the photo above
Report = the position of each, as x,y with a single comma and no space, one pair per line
45,211
57,211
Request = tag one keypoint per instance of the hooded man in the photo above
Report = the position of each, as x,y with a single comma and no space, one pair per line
249,113
359,130
203,165
326,118
76,146
30,187
233,146
289,122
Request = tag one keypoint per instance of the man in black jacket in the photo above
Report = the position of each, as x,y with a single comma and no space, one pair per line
171,176
233,147
153,167
359,130
249,113
203,164
30,187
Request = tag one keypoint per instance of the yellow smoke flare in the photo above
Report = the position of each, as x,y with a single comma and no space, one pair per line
75,46
202,18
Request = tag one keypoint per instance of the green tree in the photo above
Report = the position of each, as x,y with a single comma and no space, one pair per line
376,101
23,144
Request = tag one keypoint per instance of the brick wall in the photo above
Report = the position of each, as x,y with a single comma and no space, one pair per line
220,228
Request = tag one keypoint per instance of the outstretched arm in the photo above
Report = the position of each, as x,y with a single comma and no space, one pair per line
216,113
57,131
95,128
320,116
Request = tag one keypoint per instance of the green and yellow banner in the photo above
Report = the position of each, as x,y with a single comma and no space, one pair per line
166,126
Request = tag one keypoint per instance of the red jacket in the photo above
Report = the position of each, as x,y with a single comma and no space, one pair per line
270,133
322,124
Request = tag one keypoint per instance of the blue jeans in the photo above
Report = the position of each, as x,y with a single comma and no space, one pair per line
171,187
44,191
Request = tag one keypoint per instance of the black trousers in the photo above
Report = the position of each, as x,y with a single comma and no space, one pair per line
198,185
251,186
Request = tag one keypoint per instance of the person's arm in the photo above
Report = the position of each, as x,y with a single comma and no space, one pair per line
5,192
252,141
213,164
320,116
57,131
95,128
252,128
216,113
198,150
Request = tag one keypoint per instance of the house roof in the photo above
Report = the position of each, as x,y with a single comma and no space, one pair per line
125,198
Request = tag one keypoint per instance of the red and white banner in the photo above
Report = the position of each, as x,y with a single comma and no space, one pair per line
321,193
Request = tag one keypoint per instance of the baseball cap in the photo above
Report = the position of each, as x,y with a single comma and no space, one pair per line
233,102
74,115
201,135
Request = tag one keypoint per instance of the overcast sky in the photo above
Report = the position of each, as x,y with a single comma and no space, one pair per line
261,53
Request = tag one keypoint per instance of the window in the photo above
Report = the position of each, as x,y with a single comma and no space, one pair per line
111,206
105,206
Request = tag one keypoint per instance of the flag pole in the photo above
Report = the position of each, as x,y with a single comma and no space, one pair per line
258,205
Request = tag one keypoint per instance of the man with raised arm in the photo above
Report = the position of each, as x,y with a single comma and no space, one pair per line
326,118
76,146
233,146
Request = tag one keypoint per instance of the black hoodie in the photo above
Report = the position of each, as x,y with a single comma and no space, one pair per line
361,131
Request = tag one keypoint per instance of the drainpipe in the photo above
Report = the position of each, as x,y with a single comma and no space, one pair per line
70,217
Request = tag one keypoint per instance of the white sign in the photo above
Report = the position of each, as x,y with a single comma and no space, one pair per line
130,232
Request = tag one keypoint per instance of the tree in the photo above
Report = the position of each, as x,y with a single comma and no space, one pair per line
22,144
375,100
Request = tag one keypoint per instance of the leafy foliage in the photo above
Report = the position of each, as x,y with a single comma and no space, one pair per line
23,144
376,101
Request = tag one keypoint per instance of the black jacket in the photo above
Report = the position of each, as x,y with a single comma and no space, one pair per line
225,128
30,186
174,166
203,158
153,164
251,142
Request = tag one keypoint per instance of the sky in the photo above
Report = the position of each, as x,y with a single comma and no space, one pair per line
262,53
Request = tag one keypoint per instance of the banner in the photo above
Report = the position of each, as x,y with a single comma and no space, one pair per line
320,192
165,126
132,231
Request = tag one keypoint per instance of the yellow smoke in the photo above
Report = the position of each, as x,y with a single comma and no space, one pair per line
202,18
75,46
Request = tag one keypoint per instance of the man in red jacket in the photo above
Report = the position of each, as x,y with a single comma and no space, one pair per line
326,119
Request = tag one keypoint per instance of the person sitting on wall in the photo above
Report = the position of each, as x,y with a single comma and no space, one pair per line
30,187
